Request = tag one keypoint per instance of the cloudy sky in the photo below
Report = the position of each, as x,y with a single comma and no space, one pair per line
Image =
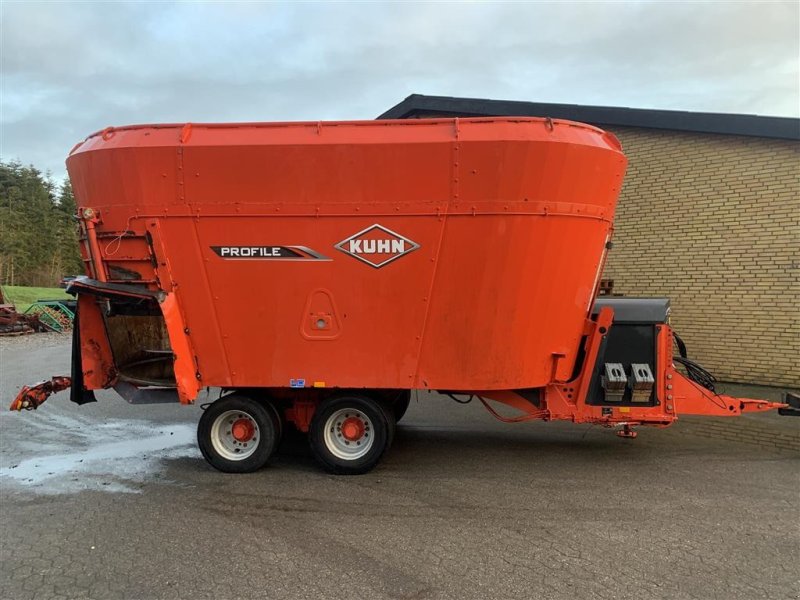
69,69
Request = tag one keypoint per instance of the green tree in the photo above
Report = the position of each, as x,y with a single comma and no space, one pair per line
69,245
38,238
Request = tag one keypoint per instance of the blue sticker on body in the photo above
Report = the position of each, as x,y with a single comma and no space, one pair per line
297,383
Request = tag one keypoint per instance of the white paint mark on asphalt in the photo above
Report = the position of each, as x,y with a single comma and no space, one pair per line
75,454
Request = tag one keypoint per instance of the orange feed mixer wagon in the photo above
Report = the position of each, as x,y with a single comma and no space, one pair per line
319,272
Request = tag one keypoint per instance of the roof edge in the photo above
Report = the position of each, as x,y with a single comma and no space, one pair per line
675,120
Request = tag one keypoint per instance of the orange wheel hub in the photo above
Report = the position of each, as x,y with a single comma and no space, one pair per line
352,429
243,430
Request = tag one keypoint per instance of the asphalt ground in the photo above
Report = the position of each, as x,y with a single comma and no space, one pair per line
114,501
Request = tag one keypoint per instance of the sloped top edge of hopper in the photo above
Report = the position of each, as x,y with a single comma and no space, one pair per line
454,128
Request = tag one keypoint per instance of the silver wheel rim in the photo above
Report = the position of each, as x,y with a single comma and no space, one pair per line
338,444
226,444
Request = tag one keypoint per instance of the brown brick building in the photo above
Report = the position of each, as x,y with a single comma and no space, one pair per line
709,216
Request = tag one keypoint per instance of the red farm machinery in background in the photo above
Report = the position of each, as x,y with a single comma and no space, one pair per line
456,255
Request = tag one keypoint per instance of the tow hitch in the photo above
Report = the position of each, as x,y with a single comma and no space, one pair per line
30,397
792,408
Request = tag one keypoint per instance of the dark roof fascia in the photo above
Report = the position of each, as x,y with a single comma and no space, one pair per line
675,120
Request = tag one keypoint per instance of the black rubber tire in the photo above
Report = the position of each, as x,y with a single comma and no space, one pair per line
265,416
382,430
279,420
400,405
391,423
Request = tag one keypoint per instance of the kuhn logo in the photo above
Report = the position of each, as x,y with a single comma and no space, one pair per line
377,246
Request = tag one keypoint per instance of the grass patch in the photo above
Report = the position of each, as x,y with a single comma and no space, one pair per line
23,296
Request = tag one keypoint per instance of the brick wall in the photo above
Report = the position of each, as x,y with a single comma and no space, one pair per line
713,222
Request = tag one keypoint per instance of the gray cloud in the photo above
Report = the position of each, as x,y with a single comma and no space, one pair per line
72,68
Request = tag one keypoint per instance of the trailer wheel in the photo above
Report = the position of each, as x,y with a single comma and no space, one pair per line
400,405
349,434
237,434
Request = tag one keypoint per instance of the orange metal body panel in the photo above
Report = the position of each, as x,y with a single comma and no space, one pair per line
509,220
97,359
186,374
